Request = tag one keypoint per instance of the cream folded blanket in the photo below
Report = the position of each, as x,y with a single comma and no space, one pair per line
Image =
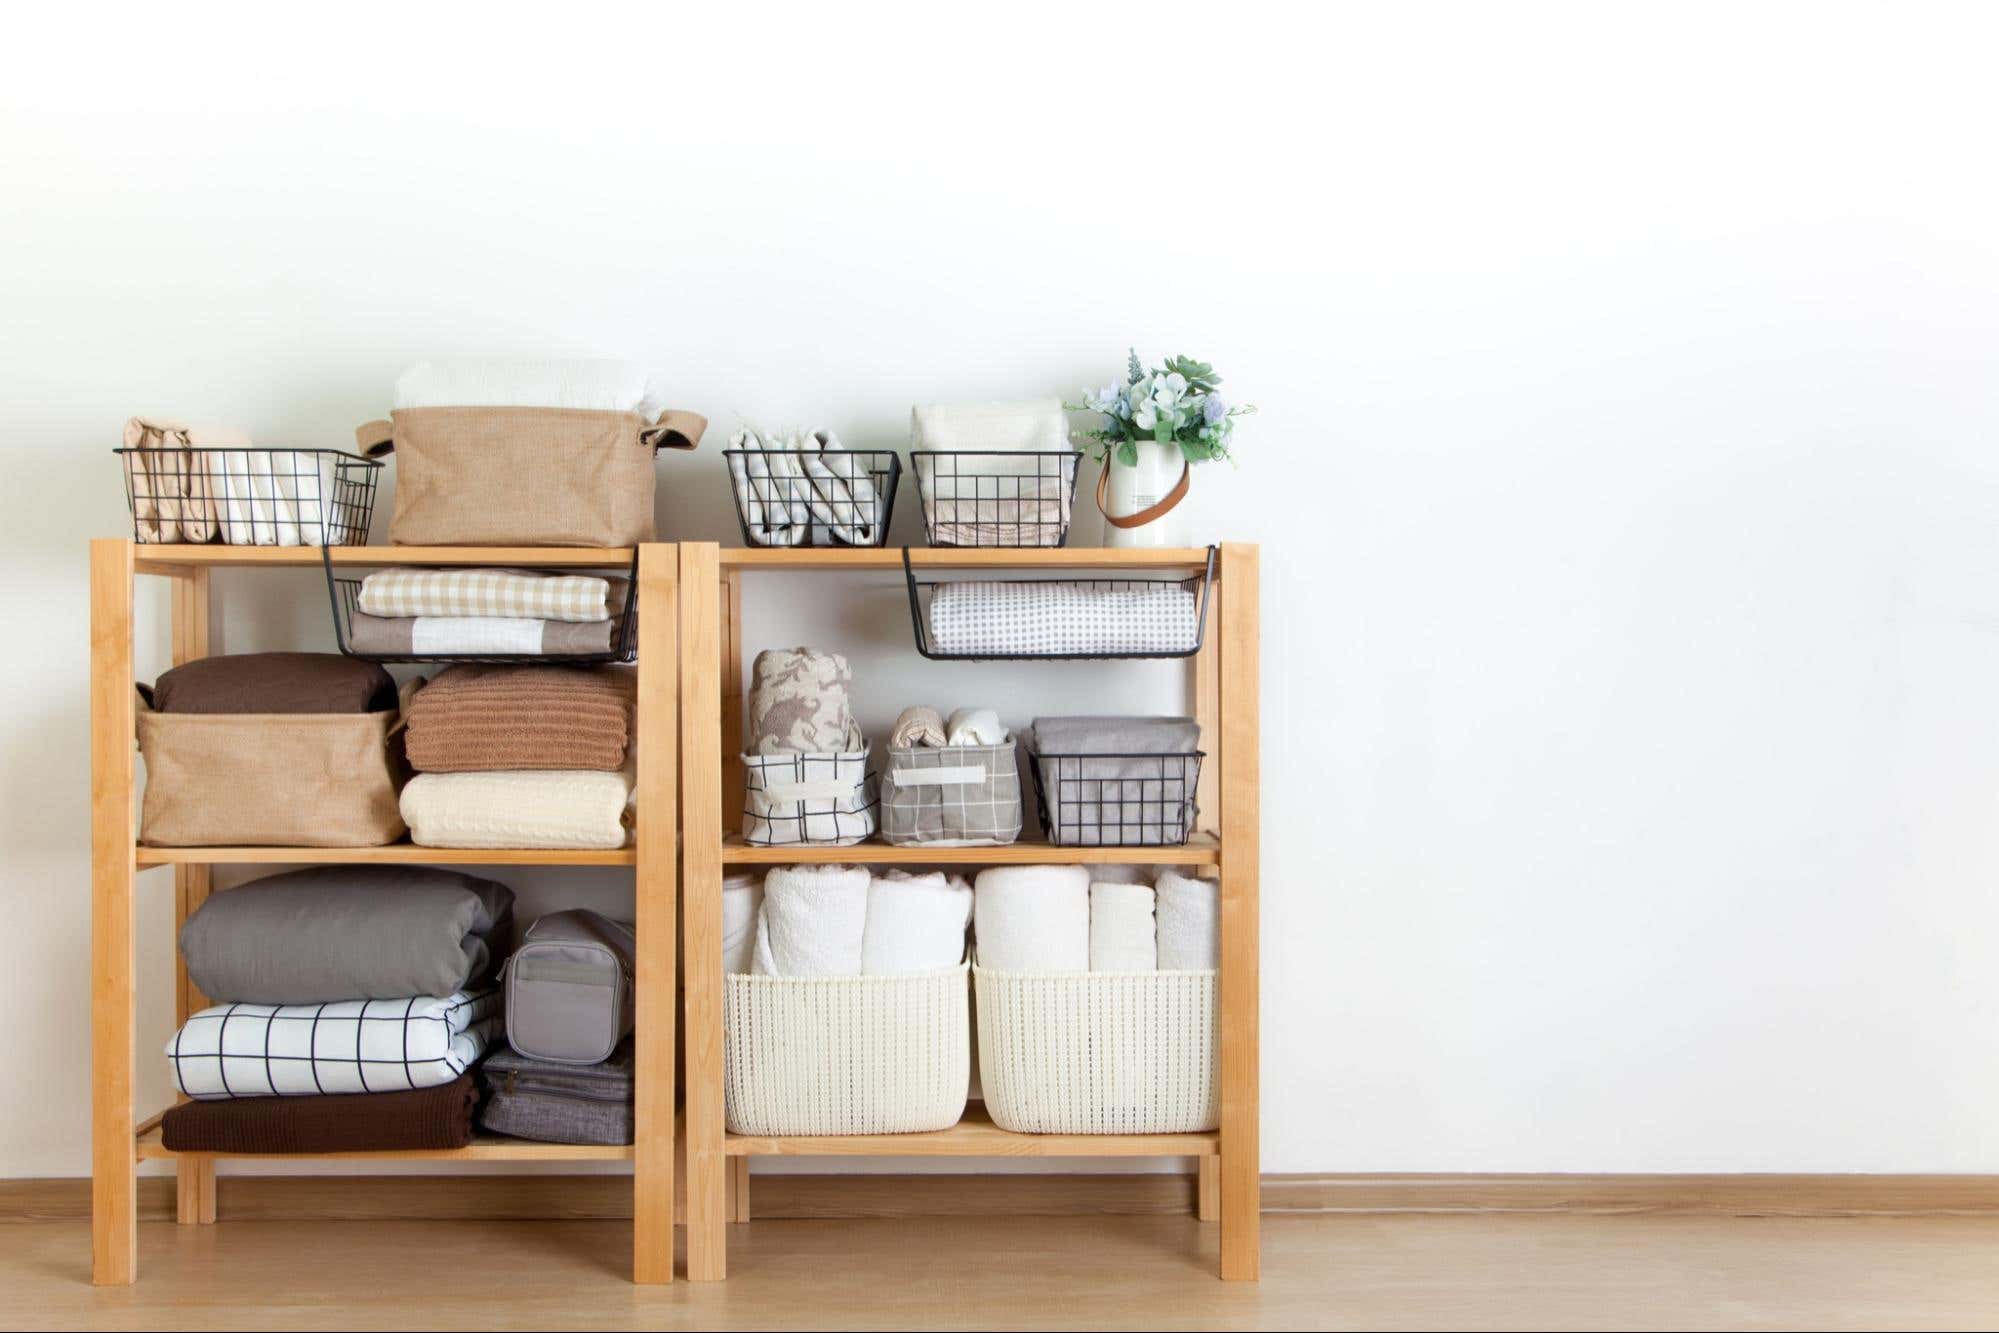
1121,928
742,900
918,724
915,923
1190,923
569,809
1032,918
500,593
812,922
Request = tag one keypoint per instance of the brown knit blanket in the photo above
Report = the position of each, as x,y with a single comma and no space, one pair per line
438,1117
478,718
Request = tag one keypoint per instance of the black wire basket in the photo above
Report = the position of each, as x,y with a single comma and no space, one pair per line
250,496
345,596
782,500
1116,800
996,498
1062,625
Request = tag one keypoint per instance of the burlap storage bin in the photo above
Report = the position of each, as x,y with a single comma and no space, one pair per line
524,476
270,779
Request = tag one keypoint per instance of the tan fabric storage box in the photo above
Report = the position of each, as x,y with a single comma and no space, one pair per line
270,779
524,476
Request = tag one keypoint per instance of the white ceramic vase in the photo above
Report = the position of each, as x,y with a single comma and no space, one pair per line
1139,487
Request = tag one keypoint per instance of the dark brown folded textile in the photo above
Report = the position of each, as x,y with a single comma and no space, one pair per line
473,719
275,683
356,1122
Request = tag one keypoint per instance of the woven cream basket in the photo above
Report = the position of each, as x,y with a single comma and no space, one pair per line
1098,1052
846,1055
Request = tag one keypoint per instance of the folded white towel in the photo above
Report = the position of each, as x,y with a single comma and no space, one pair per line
1033,426
1190,926
520,808
812,922
1033,918
605,386
974,726
1121,928
742,897
916,923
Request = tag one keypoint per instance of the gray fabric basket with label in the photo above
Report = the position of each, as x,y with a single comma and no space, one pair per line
955,796
569,988
559,1103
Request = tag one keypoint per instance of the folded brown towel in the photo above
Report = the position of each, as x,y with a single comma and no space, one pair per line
438,1117
478,718
275,683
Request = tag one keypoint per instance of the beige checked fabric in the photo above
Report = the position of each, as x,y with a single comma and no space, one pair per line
508,593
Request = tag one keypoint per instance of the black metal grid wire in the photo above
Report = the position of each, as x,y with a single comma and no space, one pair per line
919,619
345,595
982,498
250,496
1116,800
817,507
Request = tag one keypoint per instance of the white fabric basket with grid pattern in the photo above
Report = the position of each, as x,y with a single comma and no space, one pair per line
845,1055
792,800
1098,1052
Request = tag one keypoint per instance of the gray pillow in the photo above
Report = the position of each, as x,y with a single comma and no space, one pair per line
348,933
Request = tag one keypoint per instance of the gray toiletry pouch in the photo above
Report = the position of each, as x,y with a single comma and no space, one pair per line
569,988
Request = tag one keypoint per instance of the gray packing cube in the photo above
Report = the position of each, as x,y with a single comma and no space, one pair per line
569,988
559,1103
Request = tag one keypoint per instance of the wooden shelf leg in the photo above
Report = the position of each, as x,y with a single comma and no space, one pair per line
656,895
701,592
739,1177
1207,1188
1240,1165
114,1173
194,1192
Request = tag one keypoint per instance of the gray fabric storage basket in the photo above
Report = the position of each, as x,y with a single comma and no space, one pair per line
569,988
956,796
559,1103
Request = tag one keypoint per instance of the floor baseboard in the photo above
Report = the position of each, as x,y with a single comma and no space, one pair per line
446,1197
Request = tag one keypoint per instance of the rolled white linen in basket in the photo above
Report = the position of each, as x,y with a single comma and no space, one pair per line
974,726
1033,918
1121,928
916,923
1190,934
812,921
742,898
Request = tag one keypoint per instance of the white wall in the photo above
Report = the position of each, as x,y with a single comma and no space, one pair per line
1625,474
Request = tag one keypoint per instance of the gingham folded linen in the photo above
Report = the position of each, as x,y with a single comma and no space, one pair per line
304,1050
498,593
1032,619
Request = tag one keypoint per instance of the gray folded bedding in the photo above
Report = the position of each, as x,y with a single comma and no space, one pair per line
1114,735
348,933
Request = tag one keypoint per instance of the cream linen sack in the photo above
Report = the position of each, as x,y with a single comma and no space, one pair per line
270,779
524,476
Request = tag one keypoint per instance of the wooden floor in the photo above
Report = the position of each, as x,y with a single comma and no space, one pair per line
1552,1272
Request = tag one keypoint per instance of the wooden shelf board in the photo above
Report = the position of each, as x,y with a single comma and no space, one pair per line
484,1148
181,555
399,853
1190,559
974,1136
1201,850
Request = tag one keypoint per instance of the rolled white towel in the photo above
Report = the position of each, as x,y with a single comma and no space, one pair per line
1121,928
1190,934
916,923
812,921
974,726
1033,918
742,898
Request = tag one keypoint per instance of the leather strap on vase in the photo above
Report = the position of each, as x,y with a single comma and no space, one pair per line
1143,516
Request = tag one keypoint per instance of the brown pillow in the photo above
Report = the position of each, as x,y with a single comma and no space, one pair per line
275,683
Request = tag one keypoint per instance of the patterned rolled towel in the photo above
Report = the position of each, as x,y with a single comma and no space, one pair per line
799,703
509,593
474,719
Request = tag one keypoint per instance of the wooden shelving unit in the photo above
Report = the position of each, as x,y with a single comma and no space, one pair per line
120,1139
1223,681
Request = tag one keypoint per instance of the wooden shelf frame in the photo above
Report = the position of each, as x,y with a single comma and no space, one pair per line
119,1141
1224,688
